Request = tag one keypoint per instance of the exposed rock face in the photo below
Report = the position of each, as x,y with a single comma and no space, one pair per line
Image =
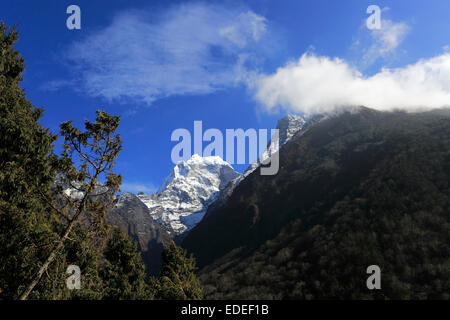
133,217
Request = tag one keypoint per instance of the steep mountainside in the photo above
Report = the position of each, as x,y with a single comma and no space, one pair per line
288,126
353,190
133,218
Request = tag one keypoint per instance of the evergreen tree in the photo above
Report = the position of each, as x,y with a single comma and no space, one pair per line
123,272
43,230
26,173
88,157
177,277
29,225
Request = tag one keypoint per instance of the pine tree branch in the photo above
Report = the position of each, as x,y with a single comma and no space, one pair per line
61,242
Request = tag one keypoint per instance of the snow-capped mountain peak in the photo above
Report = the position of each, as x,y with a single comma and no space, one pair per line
192,168
186,193
288,126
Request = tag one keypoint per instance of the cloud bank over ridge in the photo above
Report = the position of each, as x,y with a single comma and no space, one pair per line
317,84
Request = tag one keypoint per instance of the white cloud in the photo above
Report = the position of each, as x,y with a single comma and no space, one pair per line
382,43
246,27
55,85
315,84
390,35
135,187
193,48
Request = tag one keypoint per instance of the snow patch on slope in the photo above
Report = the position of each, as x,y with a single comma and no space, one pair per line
288,126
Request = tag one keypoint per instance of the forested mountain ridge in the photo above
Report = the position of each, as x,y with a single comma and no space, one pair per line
355,189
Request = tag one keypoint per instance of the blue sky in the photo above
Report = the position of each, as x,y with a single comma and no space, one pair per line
232,64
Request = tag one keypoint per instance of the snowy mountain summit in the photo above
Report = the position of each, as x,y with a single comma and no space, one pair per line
182,200
287,127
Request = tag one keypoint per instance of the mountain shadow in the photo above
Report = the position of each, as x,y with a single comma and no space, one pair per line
133,218
353,190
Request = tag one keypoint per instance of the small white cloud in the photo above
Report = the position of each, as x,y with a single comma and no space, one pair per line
193,48
135,187
246,27
380,43
55,85
315,84
390,35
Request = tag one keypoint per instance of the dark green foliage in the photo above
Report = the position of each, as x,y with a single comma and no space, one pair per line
43,230
354,190
123,272
133,218
81,250
27,228
87,157
177,277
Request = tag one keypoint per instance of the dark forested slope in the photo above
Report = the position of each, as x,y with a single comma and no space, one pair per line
354,190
